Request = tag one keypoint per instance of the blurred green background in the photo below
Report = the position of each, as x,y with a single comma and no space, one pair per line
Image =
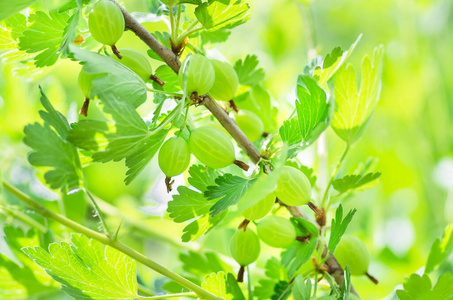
411,133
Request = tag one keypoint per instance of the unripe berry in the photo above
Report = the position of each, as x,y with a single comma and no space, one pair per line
276,231
199,73
293,187
250,124
245,247
353,252
212,147
226,81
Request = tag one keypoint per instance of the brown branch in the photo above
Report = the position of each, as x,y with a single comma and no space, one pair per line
173,62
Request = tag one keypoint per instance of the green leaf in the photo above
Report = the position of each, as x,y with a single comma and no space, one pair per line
355,182
282,291
215,284
115,78
217,14
131,140
70,31
354,108
301,288
63,160
332,62
233,288
202,264
258,100
187,204
9,8
213,37
440,250
338,227
228,190
248,71
300,252
176,2
201,177
44,36
344,294
190,204
20,278
164,38
313,115
275,273
202,225
170,78
88,269
419,288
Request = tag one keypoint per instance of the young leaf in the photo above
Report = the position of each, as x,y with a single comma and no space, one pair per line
248,71
215,284
300,252
355,182
88,269
131,140
324,69
63,161
419,287
301,288
354,108
344,294
227,14
9,8
44,35
229,189
115,78
440,250
313,114
338,227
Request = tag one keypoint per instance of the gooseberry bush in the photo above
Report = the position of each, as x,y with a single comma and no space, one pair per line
213,121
